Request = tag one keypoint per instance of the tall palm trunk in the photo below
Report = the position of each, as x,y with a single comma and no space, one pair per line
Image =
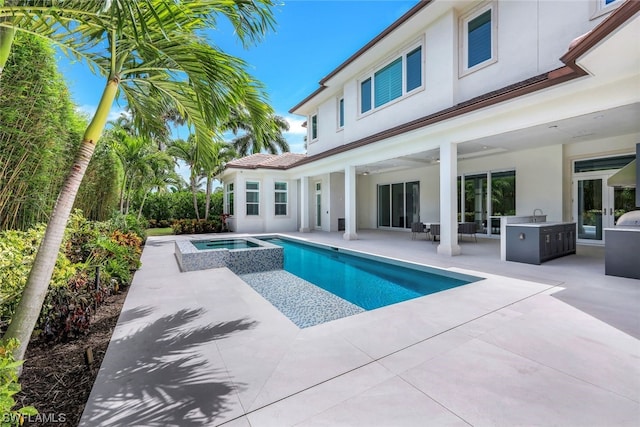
28,310
144,199
122,191
194,192
208,197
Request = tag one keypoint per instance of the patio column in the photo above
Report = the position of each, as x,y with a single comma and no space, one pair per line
304,205
448,199
350,203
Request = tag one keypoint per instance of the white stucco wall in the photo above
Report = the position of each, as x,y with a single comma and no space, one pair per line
266,221
531,37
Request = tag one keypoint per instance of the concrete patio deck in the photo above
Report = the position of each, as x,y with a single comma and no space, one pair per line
555,344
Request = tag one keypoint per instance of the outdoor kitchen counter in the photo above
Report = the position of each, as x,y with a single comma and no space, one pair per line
537,242
542,224
622,246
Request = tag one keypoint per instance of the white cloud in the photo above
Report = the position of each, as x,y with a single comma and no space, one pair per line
296,133
295,125
90,110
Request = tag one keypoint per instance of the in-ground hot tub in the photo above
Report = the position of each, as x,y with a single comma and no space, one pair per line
241,255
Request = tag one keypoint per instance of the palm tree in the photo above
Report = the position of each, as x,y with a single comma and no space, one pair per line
247,142
186,151
160,174
133,153
224,153
152,53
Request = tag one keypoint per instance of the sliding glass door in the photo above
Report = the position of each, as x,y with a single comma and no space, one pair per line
475,201
398,204
484,197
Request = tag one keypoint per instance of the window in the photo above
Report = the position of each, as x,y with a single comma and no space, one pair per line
340,113
396,79
365,96
479,39
604,6
281,198
253,198
230,199
314,127
414,69
388,83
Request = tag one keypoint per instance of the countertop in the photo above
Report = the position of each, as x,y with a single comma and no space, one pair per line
540,224
623,228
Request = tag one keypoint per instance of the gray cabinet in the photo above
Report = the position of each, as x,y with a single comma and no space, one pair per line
537,243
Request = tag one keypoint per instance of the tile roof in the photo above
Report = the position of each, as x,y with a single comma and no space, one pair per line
266,161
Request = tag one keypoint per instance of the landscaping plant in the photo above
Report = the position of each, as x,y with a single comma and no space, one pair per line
9,386
154,55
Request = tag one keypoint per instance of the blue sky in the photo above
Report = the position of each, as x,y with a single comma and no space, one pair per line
311,38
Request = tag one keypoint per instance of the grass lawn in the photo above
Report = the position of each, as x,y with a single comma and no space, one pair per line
167,231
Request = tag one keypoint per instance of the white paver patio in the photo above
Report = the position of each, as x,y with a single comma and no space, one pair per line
203,348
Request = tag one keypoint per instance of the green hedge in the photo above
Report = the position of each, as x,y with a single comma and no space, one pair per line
168,207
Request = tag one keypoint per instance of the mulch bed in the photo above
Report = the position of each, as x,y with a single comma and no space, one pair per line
55,378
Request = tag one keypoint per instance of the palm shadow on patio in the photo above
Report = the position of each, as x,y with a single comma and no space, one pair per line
160,374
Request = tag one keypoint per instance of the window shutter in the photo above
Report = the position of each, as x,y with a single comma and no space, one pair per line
479,38
414,69
388,83
365,96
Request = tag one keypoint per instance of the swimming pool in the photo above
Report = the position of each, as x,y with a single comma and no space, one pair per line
368,282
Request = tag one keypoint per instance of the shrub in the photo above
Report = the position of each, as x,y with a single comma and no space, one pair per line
192,226
67,310
17,253
167,207
128,224
9,386
72,294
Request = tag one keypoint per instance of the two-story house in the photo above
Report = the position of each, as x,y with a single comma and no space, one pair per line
461,111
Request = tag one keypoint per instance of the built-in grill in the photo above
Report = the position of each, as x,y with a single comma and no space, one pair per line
629,219
622,247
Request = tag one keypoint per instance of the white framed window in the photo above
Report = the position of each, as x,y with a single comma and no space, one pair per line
479,38
340,112
395,79
252,191
601,7
230,199
281,198
314,127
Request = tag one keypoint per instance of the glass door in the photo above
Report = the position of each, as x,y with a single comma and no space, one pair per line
475,202
590,209
398,204
318,205
599,206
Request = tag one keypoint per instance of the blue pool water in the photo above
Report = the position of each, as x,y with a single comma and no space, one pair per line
368,283
224,244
